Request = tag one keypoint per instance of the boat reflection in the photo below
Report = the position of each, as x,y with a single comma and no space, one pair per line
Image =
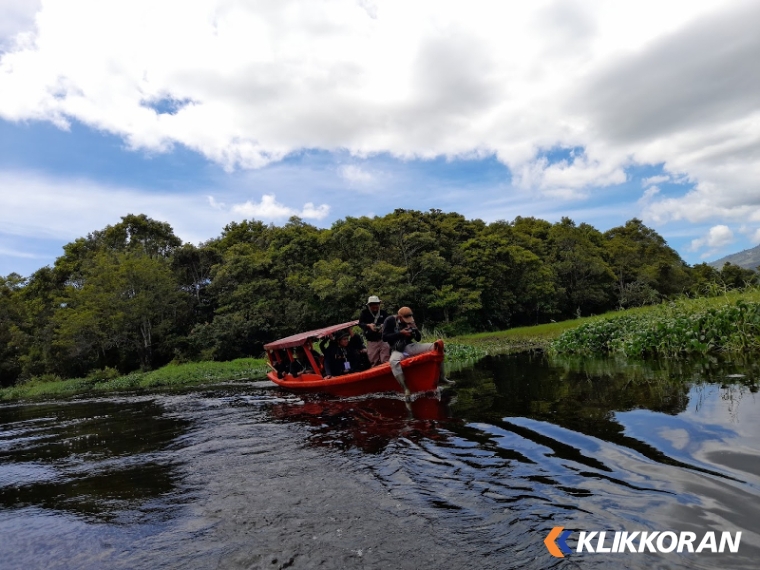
367,423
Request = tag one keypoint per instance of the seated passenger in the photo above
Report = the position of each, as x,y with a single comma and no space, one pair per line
357,353
301,363
401,333
281,366
337,362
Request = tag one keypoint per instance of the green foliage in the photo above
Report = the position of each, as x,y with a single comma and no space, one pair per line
672,330
456,352
173,376
125,301
133,297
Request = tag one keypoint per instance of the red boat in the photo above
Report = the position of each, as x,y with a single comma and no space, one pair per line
421,371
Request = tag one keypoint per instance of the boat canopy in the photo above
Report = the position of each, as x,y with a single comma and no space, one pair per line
300,338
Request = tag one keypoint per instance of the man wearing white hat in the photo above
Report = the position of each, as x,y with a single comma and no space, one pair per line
371,322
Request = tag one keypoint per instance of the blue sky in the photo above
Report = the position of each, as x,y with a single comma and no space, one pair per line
229,110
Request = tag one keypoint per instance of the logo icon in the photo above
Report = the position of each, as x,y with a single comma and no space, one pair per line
555,542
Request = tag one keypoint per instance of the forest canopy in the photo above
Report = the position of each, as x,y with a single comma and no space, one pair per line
132,295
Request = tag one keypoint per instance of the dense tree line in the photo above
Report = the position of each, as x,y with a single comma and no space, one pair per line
134,296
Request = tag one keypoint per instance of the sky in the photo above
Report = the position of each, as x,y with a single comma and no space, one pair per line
203,112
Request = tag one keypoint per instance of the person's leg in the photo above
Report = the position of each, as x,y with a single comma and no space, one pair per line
398,373
374,351
418,348
385,352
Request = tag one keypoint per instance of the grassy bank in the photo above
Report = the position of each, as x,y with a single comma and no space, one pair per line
520,338
729,323
575,336
171,376
687,326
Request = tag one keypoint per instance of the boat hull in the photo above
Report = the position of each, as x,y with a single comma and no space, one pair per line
421,373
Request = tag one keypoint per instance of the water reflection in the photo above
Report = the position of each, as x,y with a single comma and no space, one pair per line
631,404
94,458
368,423
255,477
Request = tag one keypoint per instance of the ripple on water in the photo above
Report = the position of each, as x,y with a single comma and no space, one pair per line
243,477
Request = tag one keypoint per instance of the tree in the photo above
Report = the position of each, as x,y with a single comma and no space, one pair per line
125,308
584,278
11,315
639,254
512,283
737,277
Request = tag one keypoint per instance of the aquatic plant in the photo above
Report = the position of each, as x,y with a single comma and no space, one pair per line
672,329
456,352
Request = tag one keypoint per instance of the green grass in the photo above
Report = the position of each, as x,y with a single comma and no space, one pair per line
729,323
543,336
170,376
520,338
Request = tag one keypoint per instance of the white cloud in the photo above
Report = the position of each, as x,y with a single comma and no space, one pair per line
214,204
355,175
653,180
270,209
649,195
16,17
630,82
38,207
717,237
17,253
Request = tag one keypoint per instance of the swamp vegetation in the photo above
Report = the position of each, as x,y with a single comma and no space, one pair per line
132,298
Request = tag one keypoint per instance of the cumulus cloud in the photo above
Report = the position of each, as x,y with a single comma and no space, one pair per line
269,209
16,17
717,237
248,83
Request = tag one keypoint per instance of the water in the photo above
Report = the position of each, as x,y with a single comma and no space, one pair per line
249,476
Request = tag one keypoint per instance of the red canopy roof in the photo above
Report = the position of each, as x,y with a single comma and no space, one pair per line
300,338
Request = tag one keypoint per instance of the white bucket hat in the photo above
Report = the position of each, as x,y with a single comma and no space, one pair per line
374,299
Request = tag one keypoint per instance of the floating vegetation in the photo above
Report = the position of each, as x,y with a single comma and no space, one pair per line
675,329
456,352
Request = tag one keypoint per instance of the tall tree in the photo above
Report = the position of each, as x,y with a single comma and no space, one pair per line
646,268
584,278
11,315
126,308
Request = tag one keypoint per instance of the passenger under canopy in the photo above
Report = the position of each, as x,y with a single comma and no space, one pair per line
301,338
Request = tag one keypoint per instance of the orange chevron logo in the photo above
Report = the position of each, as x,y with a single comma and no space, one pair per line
551,542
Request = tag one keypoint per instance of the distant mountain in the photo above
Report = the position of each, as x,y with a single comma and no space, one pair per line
749,259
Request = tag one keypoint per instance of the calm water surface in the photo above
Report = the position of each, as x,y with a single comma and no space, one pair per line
249,476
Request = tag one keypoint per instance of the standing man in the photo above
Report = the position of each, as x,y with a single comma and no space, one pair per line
401,333
371,322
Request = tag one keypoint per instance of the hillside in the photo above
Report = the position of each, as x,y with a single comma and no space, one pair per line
749,259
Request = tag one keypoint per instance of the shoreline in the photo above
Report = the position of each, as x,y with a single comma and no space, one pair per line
463,348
